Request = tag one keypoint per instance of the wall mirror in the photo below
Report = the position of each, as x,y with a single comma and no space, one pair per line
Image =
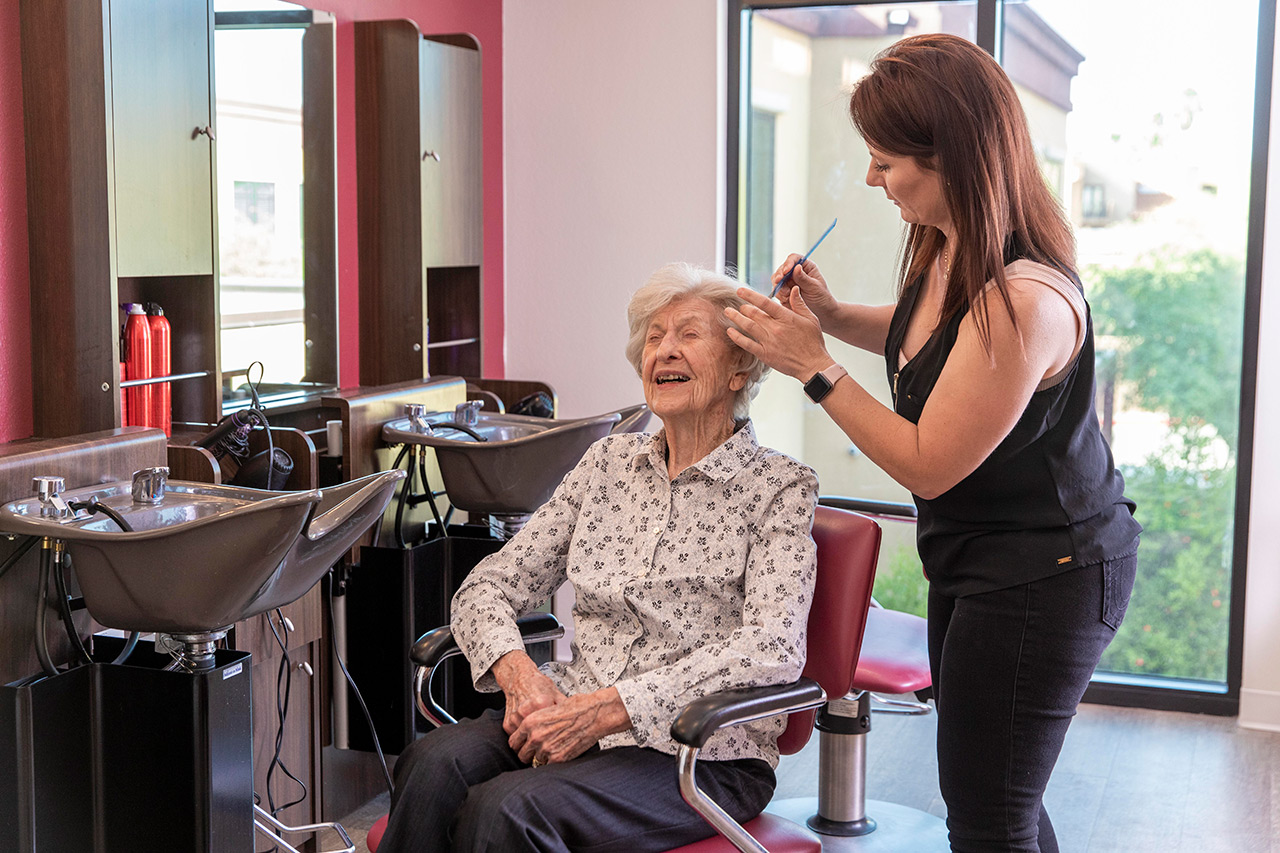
277,288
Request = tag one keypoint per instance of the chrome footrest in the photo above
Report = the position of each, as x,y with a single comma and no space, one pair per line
266,824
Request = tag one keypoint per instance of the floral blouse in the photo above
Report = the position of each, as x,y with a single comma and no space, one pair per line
683,587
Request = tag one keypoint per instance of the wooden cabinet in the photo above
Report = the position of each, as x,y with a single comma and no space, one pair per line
419,202
449,128
119,200
298,678
162,118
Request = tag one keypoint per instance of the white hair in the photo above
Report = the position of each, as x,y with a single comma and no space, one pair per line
677,281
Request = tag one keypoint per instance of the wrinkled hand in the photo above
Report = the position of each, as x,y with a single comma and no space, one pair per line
811,284
785,336
563,732
526,688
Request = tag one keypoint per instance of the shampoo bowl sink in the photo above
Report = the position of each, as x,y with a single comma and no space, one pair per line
341,517
207,555
518,465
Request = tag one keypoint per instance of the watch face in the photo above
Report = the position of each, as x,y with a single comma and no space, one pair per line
817,387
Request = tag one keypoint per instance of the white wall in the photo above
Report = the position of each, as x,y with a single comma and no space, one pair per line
615,141
1260,692
614,116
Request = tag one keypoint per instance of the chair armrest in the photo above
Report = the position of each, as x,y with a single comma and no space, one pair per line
438,643
869,507
702,717
436,646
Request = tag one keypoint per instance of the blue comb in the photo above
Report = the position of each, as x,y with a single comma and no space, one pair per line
786,278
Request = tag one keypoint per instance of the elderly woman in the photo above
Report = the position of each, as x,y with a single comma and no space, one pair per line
691,556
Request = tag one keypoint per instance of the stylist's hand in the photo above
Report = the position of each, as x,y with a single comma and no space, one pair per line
787,337
526,688
811,284
565,731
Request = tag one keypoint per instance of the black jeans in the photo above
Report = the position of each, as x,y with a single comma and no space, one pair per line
1009,668
461,788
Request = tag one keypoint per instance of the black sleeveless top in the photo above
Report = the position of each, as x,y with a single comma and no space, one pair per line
1048,499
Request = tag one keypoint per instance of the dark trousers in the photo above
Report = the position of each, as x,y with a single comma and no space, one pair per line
1009,668
461,788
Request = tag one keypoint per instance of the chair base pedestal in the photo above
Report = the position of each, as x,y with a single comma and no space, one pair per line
898,828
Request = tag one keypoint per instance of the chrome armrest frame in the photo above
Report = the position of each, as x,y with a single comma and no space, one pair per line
265,823
437,646
732,708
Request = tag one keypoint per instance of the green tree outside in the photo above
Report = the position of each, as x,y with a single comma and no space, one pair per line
1176,320
1170,337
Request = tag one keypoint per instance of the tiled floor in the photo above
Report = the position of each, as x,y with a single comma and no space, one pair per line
1129,781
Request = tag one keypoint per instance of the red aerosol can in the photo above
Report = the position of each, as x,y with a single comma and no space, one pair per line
137,363
161,403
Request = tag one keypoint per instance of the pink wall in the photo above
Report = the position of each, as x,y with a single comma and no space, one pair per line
15,304
480,18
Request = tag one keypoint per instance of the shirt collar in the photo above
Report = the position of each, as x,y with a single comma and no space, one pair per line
721,464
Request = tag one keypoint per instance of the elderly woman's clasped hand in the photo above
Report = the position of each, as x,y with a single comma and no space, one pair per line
786,334
544,725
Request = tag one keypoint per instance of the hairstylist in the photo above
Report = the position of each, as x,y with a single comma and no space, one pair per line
1026,537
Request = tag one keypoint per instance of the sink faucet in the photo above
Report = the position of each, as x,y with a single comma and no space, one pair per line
468,413
418,422
148,485
49,491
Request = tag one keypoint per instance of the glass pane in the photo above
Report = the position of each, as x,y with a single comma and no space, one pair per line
804,165
1150,149
261,198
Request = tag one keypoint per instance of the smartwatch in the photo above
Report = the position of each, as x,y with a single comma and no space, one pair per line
822,382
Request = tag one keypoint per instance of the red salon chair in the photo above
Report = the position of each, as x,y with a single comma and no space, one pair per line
894,659
848,545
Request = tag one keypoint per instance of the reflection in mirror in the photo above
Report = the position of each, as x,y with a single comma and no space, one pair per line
276,206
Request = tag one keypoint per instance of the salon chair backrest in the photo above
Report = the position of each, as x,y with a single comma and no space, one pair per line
848,546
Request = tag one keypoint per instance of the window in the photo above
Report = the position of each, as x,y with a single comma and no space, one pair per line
1093,202
1149,145
255,207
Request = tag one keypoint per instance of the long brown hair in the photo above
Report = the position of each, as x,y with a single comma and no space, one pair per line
944,101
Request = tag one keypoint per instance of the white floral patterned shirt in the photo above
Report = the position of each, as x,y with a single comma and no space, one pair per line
684,587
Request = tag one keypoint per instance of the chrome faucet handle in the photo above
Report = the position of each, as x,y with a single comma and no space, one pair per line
468,413
148,485
49,490
418,422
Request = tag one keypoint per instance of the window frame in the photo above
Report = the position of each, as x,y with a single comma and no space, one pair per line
1106,688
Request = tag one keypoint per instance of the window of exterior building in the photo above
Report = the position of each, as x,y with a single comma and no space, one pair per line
255,206
1093,201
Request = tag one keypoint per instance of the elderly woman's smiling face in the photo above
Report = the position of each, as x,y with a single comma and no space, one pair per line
689,365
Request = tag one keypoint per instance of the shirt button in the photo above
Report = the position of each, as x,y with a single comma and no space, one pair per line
657,530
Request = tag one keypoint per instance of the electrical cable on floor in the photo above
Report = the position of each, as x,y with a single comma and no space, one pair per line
333,633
